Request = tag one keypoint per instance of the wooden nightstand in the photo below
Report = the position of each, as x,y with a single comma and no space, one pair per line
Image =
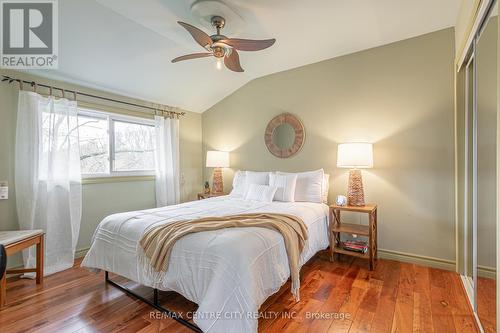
337,228
202,196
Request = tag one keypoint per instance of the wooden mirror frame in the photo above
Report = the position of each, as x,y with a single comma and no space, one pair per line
300,133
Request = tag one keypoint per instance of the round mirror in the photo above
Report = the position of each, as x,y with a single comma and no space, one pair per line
284,135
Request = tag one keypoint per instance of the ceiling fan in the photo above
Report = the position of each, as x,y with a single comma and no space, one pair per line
222,47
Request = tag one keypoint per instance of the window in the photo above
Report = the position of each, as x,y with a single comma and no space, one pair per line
134,146
94,144
115,145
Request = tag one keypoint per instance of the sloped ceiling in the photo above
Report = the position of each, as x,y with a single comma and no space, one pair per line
125,46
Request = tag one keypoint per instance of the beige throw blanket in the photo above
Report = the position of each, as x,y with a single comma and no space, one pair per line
158,242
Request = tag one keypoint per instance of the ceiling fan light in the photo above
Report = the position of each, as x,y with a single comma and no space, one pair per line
221,47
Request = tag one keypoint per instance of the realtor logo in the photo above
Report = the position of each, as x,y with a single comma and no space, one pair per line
29,34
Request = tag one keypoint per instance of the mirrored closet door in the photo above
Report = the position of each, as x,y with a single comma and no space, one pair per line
486,96
479,169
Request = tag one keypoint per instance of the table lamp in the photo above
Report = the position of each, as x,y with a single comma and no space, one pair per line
217,160
355,156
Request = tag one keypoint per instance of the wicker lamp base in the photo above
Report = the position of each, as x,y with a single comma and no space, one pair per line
355,192
218,186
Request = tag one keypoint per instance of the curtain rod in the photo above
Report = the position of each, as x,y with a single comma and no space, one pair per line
75,93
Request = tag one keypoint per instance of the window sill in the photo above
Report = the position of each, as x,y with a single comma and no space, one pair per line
116,179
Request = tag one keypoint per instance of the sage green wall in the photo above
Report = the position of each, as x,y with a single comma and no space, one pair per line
102,199
399,96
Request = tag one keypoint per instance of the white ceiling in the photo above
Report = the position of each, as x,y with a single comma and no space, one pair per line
125,46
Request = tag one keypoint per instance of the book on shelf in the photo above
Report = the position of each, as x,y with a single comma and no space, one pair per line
355,246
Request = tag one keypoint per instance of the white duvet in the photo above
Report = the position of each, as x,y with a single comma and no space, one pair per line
229,273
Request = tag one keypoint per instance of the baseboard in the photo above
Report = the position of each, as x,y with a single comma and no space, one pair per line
411,258
81,252
487,272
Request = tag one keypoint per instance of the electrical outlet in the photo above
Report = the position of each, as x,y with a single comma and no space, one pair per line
4,190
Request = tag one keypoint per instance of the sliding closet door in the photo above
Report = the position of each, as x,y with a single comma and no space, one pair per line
487,90
477,100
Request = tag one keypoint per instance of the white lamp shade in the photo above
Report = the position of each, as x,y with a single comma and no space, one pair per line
355,155
217,159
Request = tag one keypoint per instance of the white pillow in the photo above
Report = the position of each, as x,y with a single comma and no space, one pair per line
253,177
286,186
326,187
264,193
239,184
309,186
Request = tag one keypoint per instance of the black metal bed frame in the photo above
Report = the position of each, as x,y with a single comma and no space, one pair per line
155,303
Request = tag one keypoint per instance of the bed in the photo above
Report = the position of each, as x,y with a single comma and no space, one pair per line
229,273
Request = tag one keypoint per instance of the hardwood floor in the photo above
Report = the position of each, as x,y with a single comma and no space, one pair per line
486,304
335,297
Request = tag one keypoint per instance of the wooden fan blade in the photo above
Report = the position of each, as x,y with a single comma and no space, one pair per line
199,36
191,56
249,44
232,62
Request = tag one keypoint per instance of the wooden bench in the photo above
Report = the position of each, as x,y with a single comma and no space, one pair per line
15,241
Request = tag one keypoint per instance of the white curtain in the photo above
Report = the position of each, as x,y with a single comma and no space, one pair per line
167,161
48,177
